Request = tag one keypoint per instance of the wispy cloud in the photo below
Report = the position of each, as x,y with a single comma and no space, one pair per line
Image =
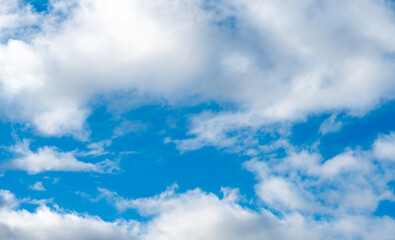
51,159
38,186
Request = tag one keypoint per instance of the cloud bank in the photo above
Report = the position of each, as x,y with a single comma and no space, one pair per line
274,60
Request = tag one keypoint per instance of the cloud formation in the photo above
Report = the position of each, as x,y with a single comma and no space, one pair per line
301,196
51,159
275,61
38,186
384,147
335,200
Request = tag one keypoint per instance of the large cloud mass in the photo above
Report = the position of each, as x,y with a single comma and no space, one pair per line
276,60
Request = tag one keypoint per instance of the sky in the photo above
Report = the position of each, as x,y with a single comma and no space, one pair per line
197,119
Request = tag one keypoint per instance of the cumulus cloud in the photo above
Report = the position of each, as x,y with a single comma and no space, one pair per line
87,48
343,190
276,61
51,159
223,221
384,147
311,57
48,224
8,200
199,215
352,182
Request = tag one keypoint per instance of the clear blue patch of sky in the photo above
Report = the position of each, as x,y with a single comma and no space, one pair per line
385,208
38,5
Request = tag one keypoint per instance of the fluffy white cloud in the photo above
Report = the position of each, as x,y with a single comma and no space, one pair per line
50,159
87,48
274,60
199,215
384,147
47,224
303,181
8,200
307,57
344,191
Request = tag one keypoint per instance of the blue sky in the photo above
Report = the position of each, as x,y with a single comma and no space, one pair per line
197,119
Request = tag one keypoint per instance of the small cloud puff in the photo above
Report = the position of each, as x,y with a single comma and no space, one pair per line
384,147
38,186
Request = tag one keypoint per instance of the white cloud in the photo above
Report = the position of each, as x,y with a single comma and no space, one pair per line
199,215
47,224
98,47
313,57
97,148
8,200
277,62
352,182
15,19
128,127
51,159
281,194
38,186
341,163
384,147
344,190
331,125
216,221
